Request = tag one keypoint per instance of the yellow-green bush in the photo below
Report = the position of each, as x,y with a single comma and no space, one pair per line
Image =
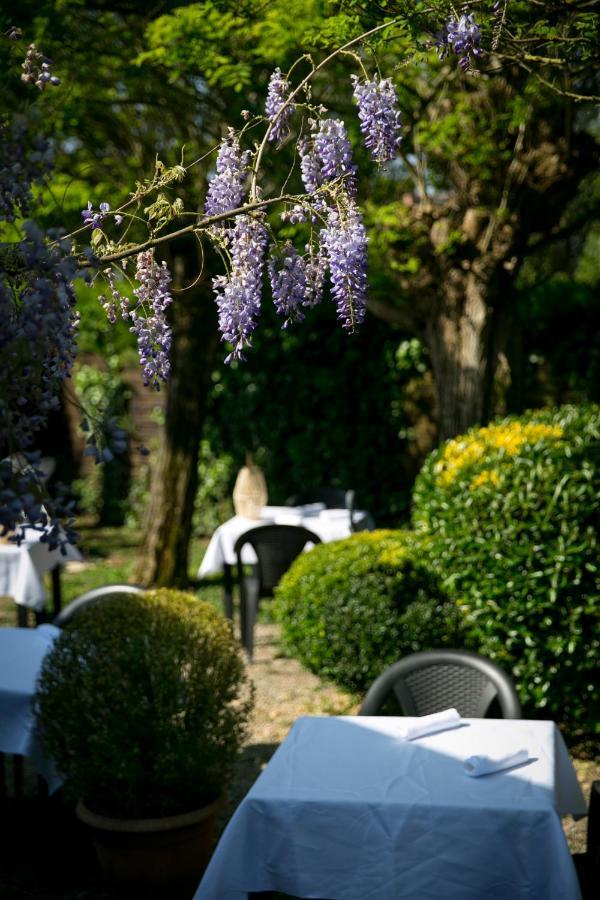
511,513
350,608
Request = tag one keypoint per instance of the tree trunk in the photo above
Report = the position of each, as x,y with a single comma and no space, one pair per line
163,559
458,339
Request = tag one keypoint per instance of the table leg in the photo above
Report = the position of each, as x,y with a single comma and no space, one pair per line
228,591
56,589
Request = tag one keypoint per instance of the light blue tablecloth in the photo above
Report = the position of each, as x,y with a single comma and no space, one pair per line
22,651
348,811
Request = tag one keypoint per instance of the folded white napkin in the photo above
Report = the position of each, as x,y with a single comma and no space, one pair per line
311,509
485,765
439,721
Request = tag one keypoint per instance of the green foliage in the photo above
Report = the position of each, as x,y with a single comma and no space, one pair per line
350,608
512,518
143,703
213,504
223,43
103,395
344,392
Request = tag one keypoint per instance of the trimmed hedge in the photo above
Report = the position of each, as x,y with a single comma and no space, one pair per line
143,704
512,514
350,608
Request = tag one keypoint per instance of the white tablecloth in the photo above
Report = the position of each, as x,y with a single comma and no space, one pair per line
347,811
328,524
22,651
22,569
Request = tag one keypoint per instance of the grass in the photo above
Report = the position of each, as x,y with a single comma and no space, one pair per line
109,557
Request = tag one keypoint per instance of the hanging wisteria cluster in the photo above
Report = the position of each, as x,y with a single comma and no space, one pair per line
379,116
238,294
461,37
37,347
329,177
278,113
37,339
226,190
148,317
37,69
24,160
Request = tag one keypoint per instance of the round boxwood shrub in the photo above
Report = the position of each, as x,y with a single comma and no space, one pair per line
350,608
512,515
143,703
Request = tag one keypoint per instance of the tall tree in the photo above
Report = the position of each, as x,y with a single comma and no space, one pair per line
160,83
492,162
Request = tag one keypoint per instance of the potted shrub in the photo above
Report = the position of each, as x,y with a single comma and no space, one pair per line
143,704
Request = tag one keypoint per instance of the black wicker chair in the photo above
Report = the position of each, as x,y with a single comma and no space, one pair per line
588,864
94,596
333,498
434,680
276,547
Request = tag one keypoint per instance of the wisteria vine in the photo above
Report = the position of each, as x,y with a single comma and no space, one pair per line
37,297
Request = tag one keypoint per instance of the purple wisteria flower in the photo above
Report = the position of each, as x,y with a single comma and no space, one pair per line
238,295
38,334
345,241
24,160
287,273
106,442
310,166
334,152
227,188
37,69
152,329
296,214
379,116
462,37
277,112
95,218
315,271
26,506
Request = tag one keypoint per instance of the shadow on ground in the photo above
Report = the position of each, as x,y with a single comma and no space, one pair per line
46,853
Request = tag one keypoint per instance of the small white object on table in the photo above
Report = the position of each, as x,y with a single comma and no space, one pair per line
346,809
327,524
22,569
22,651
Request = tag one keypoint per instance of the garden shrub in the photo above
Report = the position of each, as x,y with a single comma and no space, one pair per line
143,703
512,516
350,608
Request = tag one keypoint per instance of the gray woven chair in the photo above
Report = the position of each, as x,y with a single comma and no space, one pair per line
434,680
94,596
276,547
333,498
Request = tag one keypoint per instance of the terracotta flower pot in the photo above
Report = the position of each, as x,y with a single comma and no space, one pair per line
164,857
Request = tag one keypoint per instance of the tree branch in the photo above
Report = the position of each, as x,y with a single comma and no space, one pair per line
203,225
402,318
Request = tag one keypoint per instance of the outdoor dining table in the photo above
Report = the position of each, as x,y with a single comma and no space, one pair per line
348,810
327,524
22,651
22,569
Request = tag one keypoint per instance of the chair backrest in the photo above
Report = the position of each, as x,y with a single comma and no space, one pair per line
94,596
276,547
434,680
